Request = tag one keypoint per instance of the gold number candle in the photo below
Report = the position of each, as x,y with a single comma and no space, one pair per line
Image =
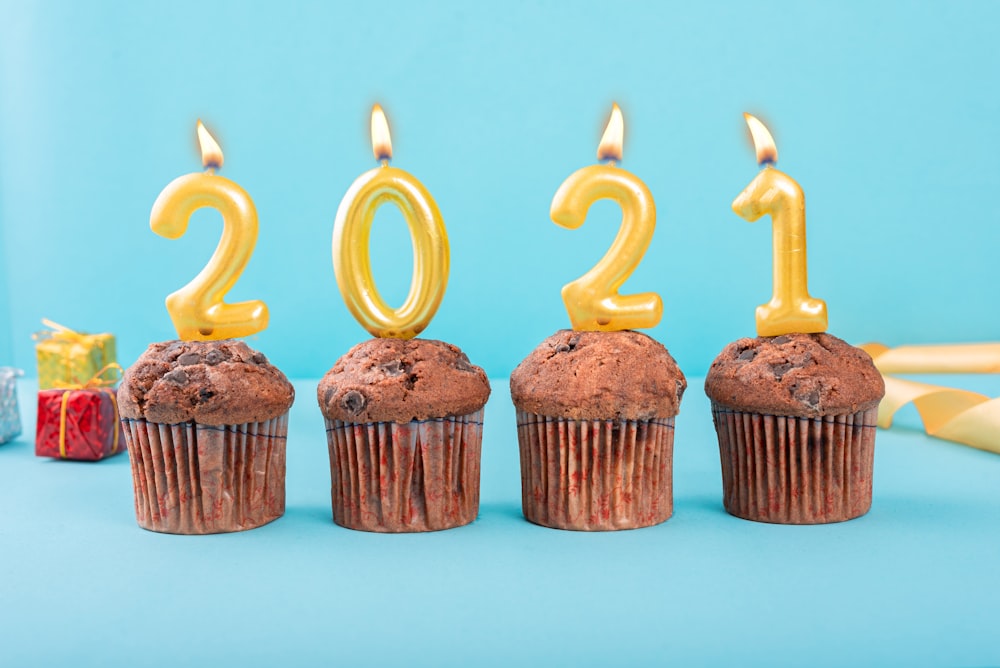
773,192
592,301
197,309
352,231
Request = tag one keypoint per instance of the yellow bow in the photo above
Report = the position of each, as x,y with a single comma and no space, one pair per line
57,331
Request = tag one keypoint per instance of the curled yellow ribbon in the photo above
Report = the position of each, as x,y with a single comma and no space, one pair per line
955,415
936,358
96,382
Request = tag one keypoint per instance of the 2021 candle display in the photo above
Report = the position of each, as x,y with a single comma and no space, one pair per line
773,192
198,310
351,253
592,301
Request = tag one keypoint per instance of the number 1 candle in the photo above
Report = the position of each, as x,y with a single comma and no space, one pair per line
592,301
773,192
197,309
352,231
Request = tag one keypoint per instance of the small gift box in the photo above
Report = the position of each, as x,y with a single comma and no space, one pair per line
67,358
10,417
81,422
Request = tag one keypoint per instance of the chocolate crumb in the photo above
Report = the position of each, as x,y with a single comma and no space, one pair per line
188,359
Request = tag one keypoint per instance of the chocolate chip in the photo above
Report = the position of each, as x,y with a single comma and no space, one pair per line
812,399
353,402
778,340
780,370
747,355
463,363
189,358
205,395
563,348
259,358
214,357
176,376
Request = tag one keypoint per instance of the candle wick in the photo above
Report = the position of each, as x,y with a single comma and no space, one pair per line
611,162
384,160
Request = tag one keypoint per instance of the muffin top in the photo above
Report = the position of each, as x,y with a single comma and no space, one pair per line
599,376
396,380
801,375
208,382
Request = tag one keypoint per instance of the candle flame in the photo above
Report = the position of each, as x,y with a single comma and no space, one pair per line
381,141
211,152
763,142
610,147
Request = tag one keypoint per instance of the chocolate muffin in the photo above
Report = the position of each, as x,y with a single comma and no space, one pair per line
205,425
795,416
595,426
404,423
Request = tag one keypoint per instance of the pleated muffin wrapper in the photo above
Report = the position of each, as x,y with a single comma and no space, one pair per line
789,470
192,478
596,475
405,477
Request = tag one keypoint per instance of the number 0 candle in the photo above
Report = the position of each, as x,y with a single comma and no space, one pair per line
351,252
773,192
592,301
197,309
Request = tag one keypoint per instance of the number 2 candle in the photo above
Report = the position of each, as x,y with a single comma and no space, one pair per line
197,309
592,301
773,192
352,231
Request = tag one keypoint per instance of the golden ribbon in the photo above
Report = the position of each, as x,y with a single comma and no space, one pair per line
96,382
57,331
949,413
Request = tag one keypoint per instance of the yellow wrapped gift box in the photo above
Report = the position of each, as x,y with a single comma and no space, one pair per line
66,357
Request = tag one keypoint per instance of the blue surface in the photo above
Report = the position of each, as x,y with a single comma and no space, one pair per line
885,112
915,582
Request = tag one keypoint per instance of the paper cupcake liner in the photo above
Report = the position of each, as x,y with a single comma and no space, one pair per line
789,470
417,476
193,478
596,475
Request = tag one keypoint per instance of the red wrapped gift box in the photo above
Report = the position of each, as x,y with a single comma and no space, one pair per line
78,424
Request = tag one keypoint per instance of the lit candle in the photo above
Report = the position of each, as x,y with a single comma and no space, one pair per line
773,192
352,231
197,309
592,301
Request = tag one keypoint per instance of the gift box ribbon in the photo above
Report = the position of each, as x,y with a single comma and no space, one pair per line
953,414
63,334
97,382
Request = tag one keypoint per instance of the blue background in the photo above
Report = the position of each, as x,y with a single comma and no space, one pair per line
888,114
